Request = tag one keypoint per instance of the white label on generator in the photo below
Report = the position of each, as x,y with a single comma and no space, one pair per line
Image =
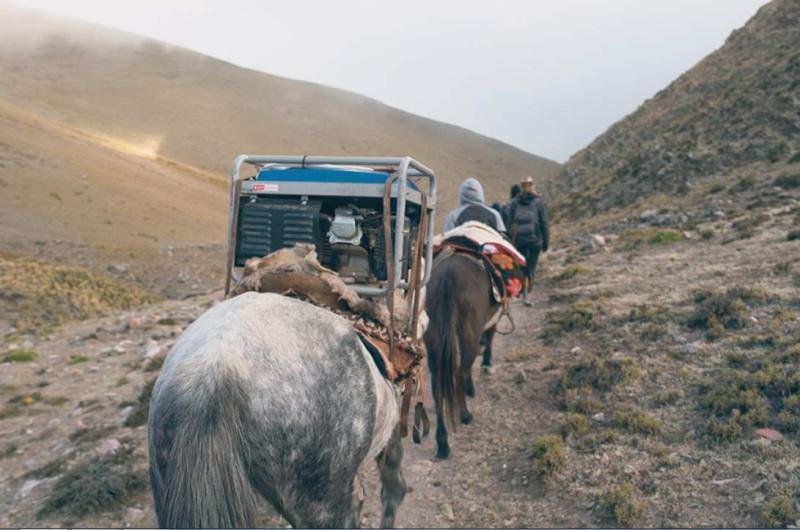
271,188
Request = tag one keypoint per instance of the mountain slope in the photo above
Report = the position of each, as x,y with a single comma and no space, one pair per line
738,110
189,108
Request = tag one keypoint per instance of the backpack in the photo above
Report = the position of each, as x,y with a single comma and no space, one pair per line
526,218
476,212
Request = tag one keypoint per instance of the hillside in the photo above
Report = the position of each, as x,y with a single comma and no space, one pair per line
170,104
735,114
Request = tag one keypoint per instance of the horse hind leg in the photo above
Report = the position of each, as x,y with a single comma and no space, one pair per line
467,385
486,342
393,485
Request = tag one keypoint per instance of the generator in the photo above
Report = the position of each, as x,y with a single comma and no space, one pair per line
369,218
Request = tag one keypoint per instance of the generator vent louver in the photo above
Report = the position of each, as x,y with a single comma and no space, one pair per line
267,225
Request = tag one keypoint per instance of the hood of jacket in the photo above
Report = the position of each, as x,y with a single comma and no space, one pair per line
471,192
526,197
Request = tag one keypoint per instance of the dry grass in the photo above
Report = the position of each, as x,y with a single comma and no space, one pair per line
44,294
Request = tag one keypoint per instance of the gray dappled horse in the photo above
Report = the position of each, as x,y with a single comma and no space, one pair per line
460,307
267,395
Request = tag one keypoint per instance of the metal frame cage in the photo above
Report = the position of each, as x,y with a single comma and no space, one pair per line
399,170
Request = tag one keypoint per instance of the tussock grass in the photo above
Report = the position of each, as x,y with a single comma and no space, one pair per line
634,239
549,455
45,294
779,512
624,505
571,272
635,421
578,316
95,484
21,356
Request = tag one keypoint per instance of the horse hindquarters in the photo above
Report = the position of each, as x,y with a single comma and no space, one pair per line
197,470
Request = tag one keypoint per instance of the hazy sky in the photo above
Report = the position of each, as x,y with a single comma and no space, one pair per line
545,75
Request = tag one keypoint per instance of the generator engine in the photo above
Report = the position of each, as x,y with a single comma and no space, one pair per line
337,209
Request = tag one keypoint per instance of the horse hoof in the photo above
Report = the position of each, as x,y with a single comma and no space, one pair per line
488,370
466,419
470,391
442,452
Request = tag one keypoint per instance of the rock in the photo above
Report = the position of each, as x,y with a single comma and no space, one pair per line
576,350
47,433
30,464
132,323
27,345
108,446
116,267
125,413
93,369
153,352
648,215
663,219
770,434
760,442
447,511
520,377
598,242
29,486
599,417
133,515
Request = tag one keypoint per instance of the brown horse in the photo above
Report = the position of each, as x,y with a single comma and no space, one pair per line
460,305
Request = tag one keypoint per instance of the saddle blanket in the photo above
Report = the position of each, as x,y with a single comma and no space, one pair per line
484,237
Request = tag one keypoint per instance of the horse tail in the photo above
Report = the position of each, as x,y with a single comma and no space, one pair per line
199,473
443,348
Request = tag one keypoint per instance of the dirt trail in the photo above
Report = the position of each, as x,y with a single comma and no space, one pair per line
487,480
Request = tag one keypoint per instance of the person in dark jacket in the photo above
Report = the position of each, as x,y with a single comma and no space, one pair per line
529,230
505,210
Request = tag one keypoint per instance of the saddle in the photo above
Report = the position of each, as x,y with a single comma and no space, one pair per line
296,273
500,259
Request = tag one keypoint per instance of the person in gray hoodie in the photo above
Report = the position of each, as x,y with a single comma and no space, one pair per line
473,208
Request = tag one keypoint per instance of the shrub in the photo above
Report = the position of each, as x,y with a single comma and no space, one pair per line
598,373
571,272
549,455
635,238
592,441
574,425
667,397
579,400
779,512
707,233
653,332
635,421
575,317
788,182
95,484
78,359
744,184
663,237
624,505
715,310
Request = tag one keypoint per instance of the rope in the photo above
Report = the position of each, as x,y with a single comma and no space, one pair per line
506,313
